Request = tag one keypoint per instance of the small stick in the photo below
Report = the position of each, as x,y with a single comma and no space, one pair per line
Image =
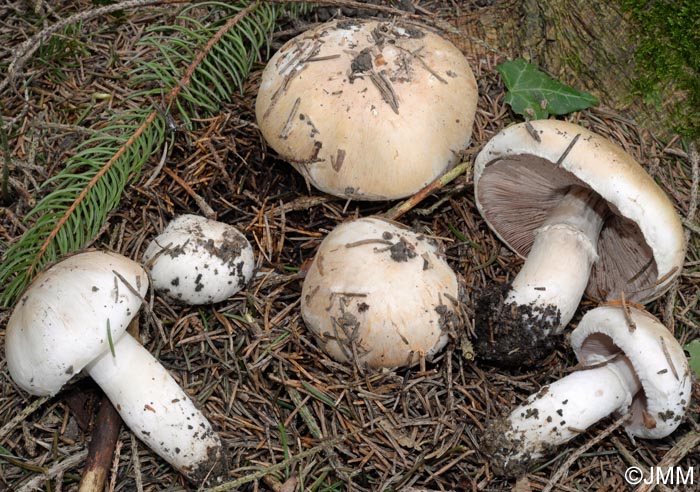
201,203
104,439
405,206
568,149
555,479
22,416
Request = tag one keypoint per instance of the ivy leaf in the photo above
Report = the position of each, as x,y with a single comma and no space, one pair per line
535,95
693,348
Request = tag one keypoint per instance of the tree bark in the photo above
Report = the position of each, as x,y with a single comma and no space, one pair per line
586,44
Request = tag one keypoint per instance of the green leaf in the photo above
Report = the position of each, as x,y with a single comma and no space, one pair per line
693,348
535,95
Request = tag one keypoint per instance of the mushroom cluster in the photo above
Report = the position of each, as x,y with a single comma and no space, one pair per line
380,294
73,317
368,109
587,218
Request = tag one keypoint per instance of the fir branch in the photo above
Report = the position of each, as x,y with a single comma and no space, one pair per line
217,54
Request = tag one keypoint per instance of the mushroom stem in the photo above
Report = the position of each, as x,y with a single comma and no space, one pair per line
555,274
157,410
560,411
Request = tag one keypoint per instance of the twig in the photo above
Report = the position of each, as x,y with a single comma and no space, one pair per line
25,51
55,470
403,207
556,478
136,462
201,203
21,416
101,448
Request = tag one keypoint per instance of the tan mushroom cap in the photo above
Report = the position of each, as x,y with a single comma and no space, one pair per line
525,170
658,360
379,293
368,109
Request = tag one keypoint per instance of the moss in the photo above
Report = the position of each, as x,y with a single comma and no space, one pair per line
669,59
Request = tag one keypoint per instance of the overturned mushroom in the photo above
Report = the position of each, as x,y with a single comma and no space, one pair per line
367,109
586,216
379,294
196,260
630,364
73,317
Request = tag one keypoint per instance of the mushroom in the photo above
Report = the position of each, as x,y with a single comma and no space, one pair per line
368,109
629,363
73,317
587,218
196,260
380,295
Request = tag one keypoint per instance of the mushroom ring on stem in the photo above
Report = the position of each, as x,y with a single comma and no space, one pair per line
368,109
587,219
630,364
74,316
196,260
380,294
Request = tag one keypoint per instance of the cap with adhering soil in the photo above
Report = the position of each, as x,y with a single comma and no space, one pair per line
587,218
196,260
630,364
73,317
368,109
380,294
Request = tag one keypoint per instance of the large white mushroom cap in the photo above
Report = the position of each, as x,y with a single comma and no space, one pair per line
656,356
379,294
368,109
196,260
60,323
73,317
527,168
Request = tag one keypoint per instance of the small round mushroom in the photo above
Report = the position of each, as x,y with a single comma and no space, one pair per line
631,363
587,218
196,260
379,294
368,109
73,317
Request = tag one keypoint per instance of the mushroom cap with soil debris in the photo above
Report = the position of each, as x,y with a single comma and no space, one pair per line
587,218
74,316
196,260
630,364
367,109
380,294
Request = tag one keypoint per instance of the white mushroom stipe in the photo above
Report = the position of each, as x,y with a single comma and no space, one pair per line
71,318
555,274
380,295
586,218
632,364
196,260
157,411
